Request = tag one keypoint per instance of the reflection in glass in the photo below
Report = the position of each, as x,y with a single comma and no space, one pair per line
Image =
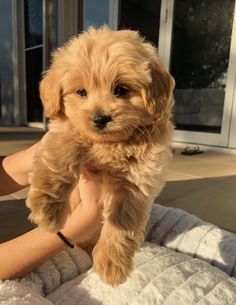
200,56
142,16
33,23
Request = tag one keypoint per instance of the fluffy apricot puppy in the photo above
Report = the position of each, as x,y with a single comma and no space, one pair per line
109,100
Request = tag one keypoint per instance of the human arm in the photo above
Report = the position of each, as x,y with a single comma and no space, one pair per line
22,254
14,170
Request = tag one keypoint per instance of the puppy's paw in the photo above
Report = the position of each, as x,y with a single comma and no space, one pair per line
48,213
111,269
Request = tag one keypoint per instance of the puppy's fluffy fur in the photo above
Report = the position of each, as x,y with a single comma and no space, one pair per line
109,100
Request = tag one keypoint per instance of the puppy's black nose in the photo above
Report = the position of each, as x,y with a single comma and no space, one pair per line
101,121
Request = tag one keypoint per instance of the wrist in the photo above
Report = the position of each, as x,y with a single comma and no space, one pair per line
65,240
69,231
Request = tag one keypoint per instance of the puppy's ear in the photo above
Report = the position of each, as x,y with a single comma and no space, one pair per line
51,92
160,93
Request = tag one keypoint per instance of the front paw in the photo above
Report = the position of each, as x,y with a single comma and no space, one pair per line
112,265
47,212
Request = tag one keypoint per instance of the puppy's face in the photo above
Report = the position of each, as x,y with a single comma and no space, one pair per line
110,85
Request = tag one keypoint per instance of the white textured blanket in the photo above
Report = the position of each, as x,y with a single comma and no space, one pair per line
161,275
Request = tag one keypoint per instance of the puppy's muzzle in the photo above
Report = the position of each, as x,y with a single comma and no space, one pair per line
101,121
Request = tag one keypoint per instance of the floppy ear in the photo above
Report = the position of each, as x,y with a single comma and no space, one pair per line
51,92
160,93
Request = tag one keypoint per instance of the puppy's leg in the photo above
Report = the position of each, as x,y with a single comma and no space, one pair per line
126,211
54,168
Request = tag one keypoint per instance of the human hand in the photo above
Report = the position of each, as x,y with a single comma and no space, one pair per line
86,215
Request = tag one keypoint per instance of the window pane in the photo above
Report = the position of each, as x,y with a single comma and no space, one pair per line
33,23
96,13
201,45
142,16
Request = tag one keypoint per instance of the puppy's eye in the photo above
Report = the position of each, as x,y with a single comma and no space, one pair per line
120,91
82,93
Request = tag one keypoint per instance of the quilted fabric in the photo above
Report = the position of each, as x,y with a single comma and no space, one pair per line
161,276
184,261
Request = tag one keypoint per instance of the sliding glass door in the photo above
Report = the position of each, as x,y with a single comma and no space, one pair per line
202,61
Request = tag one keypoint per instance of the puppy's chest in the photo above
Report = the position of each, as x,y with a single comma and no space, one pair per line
112,156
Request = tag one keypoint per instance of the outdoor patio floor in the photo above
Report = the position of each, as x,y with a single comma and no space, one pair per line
204,185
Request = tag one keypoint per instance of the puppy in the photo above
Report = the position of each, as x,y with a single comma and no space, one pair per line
109,100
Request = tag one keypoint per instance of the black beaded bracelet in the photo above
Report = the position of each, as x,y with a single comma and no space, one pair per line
65,240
